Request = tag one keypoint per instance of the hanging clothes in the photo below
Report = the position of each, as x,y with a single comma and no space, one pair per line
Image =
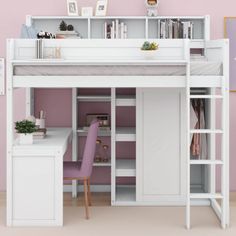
199,141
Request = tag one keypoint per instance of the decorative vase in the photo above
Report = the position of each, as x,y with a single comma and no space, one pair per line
149,54
25,139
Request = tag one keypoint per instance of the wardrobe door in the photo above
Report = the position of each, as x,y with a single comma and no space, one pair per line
160,146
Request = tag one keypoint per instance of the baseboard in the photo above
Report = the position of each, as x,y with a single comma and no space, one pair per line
94,188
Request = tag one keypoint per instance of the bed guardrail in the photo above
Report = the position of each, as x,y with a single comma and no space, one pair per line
97,49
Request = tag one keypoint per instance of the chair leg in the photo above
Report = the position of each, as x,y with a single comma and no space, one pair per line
86,198
89,193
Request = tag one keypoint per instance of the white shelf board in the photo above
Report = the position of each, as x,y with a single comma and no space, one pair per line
206,162
125,134
125,100
125,193
100,164
205,196
125,168
103,133
206,96
206,131
96,62
116,17
94,98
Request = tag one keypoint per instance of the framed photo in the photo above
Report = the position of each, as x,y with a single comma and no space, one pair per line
86,11
72,8
101,8
229,32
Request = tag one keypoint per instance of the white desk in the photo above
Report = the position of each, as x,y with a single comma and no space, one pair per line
37,183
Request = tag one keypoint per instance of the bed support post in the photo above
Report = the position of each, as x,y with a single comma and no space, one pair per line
10,130
75,138
187,89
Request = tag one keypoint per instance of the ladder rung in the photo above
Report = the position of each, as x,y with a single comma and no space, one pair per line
206,131
206,196
206,162
206,96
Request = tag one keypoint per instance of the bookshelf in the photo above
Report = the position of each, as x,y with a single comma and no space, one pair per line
138,27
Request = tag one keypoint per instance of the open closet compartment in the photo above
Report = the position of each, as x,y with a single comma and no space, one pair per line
123,146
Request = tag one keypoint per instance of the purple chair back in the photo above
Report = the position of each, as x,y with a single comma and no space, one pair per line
89,150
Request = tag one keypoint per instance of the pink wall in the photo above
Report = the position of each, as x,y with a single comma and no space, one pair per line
12,15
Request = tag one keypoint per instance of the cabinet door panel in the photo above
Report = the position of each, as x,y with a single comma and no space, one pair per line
159,134
33,188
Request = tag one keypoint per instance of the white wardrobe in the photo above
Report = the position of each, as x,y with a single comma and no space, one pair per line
160,157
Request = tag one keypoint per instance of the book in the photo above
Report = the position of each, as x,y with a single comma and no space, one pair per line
158,28
174,28
117,27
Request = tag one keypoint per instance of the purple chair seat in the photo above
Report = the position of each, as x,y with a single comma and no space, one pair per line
72,169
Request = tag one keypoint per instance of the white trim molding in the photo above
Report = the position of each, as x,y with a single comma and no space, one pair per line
2,76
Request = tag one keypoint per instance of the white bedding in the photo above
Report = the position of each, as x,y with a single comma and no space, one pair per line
196,68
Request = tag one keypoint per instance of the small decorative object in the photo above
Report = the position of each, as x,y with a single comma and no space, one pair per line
152,6
63,26
101,8
103,118
87,11
149,49
70,27
105,157
147,46
98,157
45,35
58,52
40,122
72,8
25,129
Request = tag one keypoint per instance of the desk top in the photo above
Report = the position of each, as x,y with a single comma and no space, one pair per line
56,141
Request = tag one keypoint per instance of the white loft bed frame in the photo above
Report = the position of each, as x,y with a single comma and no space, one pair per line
127,52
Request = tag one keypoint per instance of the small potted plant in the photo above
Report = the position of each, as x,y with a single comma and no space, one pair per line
149,49
25,129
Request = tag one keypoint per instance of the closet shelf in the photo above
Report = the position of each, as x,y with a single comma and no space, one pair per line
206,131
125,168
206,196
94,98
125,100
206,162
125,193
102,133
125,134
99,164
206,96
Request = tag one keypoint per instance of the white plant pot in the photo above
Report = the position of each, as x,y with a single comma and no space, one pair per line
149,54
25,139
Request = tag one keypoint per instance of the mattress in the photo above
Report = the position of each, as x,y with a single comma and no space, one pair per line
197,68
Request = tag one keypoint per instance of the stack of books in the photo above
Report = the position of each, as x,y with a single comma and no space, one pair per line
40,134
174,29
115,30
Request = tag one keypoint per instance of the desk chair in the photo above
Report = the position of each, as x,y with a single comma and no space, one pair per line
74,171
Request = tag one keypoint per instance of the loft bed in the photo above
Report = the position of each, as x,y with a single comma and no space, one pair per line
120,58
121,64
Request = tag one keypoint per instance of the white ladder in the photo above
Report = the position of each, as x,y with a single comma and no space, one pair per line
221,210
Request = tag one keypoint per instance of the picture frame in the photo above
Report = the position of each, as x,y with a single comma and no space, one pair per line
101,7
229,32
86,11
72,8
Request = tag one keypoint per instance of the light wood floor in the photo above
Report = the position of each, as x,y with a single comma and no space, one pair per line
117,221
98,199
